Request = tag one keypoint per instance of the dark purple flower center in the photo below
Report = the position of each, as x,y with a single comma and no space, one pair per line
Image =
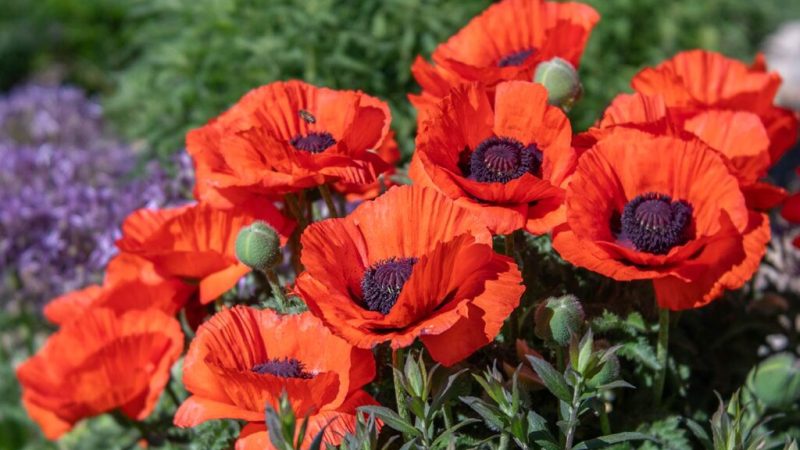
655,224
499,159
314,142
383,281
516,58
286,368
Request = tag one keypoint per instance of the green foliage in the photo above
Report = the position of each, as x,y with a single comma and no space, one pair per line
427,396
636,33
197,57
577,396
76,41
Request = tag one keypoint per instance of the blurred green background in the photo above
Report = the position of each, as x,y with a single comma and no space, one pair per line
162,67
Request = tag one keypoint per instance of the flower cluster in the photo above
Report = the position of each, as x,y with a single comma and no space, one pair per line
667,187
65,186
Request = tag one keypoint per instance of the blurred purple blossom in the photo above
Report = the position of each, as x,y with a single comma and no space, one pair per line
65,186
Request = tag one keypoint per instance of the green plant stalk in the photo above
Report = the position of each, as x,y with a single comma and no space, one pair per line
325,191
275,285
399,395
172,394
294,208
662,353
504,441
510,244
513,319
561,360
605,425
573,415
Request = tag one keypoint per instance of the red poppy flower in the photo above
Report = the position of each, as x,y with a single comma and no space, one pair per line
791,211
196,242
505,42
409,264
131,283
288,136
658,207
243,359
725,102
507,159
390,153
98,363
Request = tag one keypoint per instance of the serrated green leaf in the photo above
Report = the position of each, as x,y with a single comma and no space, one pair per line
611,439
392,419
553,381
491,415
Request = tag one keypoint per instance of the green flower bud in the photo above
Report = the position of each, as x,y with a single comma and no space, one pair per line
776,380
258,246
608,373
558,318
561,80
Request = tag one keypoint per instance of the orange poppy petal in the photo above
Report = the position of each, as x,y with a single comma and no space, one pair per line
587,254
408,229
483,318
100,362
708,268
534,120
72,304
762,196
196,410
791,209
738,135
218,283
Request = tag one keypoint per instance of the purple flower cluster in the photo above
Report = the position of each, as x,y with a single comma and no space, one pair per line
65,186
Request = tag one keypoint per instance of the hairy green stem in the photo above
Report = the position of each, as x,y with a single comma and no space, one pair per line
294,208
325,191
605,425
510,244
504,441
561,360
399,394
275,285
172,394
573,415
662,354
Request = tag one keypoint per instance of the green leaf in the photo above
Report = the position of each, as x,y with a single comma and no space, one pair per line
553,381
611,439
700,433
490,414
316,443
447,435
392,419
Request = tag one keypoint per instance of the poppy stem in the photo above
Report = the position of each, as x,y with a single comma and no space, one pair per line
294,207
504,440
605,425
510,245
399,395
662,353
172,394
277,290
325,191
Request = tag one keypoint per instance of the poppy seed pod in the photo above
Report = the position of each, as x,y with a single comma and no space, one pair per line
558,318
258,246
776,381
561,80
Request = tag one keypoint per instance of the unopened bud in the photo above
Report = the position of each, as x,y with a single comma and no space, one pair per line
776,380
558,318
258,246
561,80
609,372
